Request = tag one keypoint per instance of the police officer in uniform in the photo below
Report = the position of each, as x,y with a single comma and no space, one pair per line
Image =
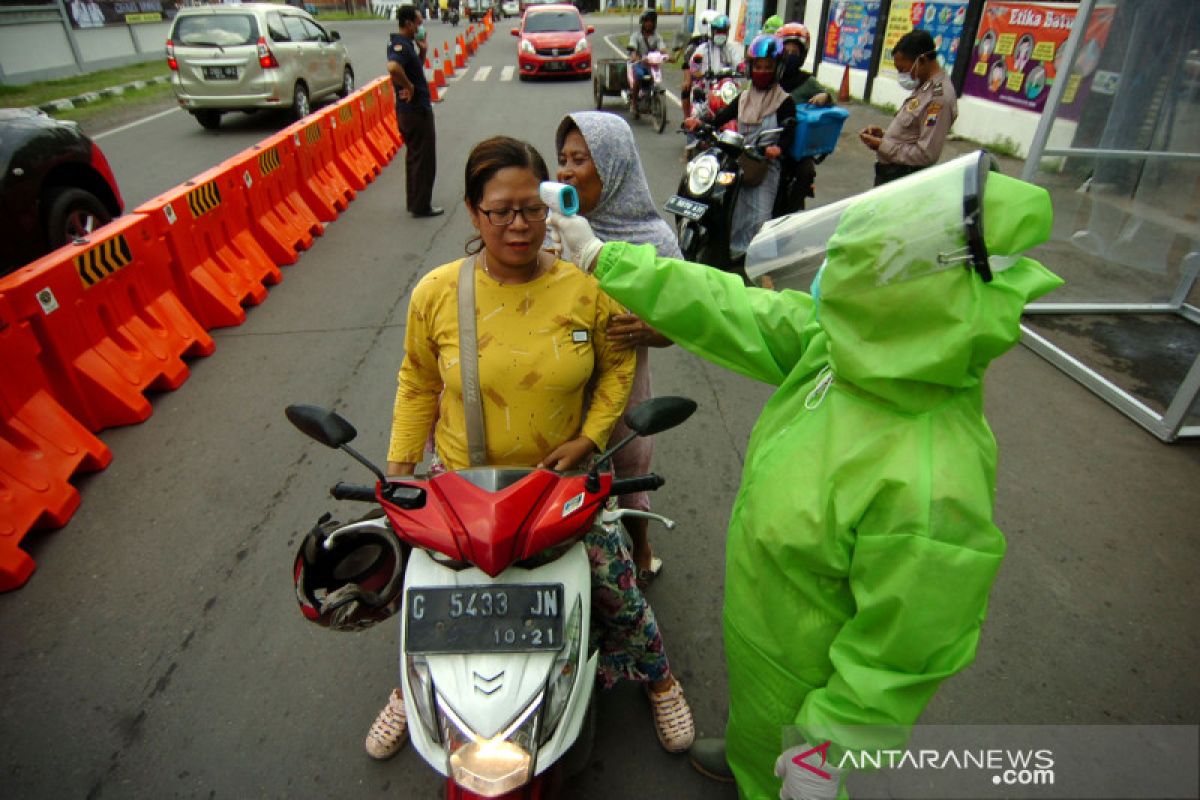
914,139
414,111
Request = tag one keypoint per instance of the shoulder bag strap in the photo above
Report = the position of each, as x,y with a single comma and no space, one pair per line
468,363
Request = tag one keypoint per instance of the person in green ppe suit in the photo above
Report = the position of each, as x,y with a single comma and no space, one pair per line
861,547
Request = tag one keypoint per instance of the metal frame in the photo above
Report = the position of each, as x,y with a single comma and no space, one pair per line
1167,426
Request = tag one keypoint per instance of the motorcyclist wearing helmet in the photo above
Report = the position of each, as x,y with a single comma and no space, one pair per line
641,44
772,25
764,105
796,181
713,57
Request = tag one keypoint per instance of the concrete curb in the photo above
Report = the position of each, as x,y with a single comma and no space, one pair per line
67,103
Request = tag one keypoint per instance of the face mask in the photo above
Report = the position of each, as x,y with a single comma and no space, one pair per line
762,80
792,63
420,35
719,39
907,82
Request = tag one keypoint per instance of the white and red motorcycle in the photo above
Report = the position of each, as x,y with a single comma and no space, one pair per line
495,602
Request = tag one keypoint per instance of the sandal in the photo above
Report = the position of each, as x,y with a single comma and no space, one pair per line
645,576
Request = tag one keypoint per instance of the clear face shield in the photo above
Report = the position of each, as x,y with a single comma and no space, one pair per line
904,230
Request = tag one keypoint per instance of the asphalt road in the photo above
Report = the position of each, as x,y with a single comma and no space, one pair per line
158,650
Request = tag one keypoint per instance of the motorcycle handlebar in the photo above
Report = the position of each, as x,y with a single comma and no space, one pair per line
643,483
349,491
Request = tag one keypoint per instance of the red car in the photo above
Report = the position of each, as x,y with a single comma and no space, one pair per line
553,42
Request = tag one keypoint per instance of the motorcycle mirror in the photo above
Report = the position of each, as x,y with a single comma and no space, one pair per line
331,430
321,424
659,414
653,416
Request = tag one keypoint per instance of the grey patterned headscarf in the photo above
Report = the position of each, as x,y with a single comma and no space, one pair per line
625,212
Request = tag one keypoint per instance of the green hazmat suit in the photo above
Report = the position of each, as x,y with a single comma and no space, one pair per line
861,547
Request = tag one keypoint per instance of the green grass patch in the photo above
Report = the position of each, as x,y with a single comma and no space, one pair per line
159,91
35,94
1004,146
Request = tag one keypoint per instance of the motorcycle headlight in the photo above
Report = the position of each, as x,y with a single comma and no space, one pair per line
493,766
563,674
420,697
702,174
527,47
728,91
581,46
726,178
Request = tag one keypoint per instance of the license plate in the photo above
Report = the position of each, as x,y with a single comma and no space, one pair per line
686,208
480,619
221,73
556,66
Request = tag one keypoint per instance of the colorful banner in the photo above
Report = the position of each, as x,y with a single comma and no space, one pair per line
850,32
1017,54
99,13
750,20
943,19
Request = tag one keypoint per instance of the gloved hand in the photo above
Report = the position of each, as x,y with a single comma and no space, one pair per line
807,782
580,245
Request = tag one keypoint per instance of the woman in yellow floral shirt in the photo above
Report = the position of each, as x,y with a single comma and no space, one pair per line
542,348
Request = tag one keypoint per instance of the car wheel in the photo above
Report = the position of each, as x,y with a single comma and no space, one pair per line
300,106
209,119
347,83
73,214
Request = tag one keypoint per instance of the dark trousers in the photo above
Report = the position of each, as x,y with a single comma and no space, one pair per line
886,173
420,156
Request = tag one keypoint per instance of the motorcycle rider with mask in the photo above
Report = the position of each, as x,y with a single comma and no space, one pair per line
798,177
763,106
711,57
914,139
646,41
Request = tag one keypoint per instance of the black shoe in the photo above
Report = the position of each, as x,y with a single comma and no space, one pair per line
432,211
708,758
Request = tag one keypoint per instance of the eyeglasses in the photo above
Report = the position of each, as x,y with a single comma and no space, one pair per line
503,217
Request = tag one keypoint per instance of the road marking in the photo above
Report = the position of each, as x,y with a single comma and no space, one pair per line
623,54
150,118
506,73
459,74
482,74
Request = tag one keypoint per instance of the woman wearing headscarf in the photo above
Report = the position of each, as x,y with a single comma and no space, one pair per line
763,106
598,156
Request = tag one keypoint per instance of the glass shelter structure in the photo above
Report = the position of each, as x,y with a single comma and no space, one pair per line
1122,165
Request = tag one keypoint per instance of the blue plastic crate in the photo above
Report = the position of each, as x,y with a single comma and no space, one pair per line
817,130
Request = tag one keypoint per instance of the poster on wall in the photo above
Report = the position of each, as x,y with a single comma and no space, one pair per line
943,19
1017,54
750,21
850,32
99,13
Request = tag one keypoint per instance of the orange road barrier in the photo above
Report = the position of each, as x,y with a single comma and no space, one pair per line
351,153
218,263
41,447
460,59
111,321
280,220
448,67
323,187
387,122
434,95
382,146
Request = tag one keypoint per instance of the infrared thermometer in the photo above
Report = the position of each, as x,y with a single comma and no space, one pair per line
561,197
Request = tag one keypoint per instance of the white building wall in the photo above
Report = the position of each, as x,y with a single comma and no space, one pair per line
102,44
33,47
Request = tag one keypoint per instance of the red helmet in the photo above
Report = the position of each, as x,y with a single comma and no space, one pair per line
349,577
795,32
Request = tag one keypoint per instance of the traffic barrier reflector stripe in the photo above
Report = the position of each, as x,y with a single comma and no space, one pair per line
268,161
203,199
41,447
102,260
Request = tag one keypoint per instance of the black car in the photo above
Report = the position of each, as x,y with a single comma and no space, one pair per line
55,186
